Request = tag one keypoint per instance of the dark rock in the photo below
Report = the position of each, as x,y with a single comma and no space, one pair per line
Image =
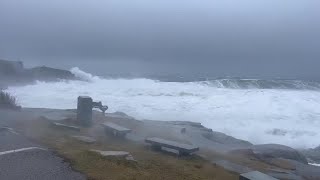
266,151
233,167
47,73
305,170
11,68
313,155
224,139
14,73
284,175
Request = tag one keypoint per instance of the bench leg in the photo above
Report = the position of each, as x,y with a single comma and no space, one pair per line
121,135
156,147
182,153
115,133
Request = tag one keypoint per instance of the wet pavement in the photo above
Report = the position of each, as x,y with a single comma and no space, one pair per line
31,163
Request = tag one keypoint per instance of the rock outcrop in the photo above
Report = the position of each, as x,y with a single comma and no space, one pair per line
268,151
49,74
11,68
313,155
14,72
224,139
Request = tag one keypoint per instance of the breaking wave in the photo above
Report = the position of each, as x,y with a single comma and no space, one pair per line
260,111
83,75
263,84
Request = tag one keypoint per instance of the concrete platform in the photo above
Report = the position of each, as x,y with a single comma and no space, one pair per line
255,175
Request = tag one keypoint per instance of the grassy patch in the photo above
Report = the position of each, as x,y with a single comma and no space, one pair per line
150,164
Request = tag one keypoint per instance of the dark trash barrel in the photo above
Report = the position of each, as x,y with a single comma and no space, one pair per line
84,110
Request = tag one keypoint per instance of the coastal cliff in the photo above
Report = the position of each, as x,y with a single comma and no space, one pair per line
14,73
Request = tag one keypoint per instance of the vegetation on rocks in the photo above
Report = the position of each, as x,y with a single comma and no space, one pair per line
7,101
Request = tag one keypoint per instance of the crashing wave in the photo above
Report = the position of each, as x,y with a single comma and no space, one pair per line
78,73
262,84
259,111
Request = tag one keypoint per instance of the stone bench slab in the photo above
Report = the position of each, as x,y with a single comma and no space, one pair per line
121,154
85,139
115,129
255,175
182,148
64,126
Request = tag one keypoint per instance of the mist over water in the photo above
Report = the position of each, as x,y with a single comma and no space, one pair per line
259,115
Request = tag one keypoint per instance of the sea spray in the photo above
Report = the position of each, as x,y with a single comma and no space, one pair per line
78,73
260,115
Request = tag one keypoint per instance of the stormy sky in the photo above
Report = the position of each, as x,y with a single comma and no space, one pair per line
251,38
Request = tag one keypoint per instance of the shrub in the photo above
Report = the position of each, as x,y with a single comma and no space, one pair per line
8,101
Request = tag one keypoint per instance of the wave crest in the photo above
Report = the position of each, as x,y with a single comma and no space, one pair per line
82,75
262,84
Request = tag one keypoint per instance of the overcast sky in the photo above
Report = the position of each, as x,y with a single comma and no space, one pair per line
253,38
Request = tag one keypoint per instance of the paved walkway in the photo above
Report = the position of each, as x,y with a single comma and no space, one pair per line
22,159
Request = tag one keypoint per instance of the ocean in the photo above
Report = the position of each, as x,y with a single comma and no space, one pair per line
260,111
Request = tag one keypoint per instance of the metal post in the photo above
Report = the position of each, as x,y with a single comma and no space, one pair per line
84,110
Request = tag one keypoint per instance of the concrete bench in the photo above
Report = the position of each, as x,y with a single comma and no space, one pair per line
64,126
183,149
115,129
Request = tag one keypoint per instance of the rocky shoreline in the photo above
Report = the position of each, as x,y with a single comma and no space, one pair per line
233,154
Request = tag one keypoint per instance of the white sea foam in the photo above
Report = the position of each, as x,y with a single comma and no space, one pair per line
290,117
314,164
83,75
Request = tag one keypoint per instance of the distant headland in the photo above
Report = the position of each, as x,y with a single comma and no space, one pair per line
14,73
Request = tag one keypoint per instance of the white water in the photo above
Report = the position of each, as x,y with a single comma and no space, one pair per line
314,164
249,114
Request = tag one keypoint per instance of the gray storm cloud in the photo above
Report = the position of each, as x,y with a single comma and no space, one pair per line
258,38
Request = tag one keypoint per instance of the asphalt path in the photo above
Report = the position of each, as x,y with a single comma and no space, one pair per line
21,159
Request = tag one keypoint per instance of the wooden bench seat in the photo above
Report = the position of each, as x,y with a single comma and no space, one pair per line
183,149
115,129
